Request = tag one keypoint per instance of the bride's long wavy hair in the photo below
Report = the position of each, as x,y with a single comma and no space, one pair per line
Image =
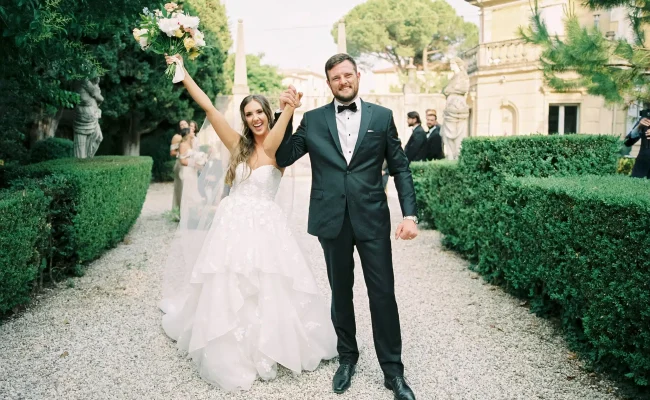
246,146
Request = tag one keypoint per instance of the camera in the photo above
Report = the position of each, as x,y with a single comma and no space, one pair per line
644,113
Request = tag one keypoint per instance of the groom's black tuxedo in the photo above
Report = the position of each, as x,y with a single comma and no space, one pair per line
348,208
358,186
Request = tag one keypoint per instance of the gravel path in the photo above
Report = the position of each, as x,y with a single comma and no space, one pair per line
99,337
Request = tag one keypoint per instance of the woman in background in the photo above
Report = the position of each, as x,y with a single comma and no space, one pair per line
183,129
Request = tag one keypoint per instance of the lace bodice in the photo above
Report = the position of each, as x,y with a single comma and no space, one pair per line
262,183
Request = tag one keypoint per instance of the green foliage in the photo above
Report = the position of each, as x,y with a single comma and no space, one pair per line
47,45
157,147
548,218
13,118
581,247
23,229
139,99
59,247
446,176
51,44
613,69
262,78
214,22
60,214
51,149
396,30
487,161
540,155
625,165
102,199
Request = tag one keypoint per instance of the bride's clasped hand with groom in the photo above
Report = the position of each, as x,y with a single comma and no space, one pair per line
250,301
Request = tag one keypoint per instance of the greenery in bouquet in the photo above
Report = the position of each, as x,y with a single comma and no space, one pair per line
170,31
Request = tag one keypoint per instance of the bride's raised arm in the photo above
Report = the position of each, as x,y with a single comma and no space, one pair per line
228,136
274,138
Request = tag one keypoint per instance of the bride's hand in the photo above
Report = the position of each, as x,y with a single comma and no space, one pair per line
296,103
290,97
172,59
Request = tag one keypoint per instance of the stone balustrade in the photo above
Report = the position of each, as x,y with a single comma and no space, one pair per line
500,54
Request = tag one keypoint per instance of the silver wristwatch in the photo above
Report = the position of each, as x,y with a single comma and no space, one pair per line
412,218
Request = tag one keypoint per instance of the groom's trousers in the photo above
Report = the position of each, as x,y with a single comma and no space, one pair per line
377,265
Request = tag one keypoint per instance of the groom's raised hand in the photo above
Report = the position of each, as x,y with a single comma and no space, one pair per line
406,230
289,96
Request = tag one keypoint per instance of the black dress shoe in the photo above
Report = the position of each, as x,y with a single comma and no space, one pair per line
343,378
400,388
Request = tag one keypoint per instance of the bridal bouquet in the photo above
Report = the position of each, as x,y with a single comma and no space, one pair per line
170,31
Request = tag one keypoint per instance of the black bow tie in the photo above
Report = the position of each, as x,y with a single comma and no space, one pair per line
352,107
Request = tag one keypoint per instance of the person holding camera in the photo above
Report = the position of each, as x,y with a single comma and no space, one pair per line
640,131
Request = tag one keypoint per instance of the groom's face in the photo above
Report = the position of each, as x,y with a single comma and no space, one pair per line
343,80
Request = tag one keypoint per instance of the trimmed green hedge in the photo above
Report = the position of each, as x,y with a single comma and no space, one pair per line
23,232
63,213
104,198
540,156
625,165
577,242
580,247
51,149
441,196
484,164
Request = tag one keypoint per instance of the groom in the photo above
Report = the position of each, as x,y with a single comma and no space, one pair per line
347,141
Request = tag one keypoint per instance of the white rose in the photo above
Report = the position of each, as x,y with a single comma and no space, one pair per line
188,22
144,42
199,38
168,25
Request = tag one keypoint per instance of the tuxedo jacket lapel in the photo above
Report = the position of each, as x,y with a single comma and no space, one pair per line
366,116
330,117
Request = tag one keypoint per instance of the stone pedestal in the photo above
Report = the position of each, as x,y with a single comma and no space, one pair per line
342,45
240,87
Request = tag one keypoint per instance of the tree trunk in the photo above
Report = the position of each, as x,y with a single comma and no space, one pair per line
44,127
131,144
131,138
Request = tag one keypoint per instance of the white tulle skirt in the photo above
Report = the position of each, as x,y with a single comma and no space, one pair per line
253,301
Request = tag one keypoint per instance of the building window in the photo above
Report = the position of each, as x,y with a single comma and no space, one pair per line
562,119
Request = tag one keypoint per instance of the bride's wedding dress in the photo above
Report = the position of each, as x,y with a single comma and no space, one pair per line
253,301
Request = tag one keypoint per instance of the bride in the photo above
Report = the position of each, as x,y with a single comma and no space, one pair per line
251,301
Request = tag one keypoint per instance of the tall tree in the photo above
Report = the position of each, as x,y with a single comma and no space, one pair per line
45,48
262,78
616,69
50,44
396,30
139,98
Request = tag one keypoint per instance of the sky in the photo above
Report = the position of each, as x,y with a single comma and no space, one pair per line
296,33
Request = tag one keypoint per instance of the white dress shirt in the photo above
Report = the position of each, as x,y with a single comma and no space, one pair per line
347,123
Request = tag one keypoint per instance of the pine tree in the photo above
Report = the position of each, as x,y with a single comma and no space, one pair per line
615,69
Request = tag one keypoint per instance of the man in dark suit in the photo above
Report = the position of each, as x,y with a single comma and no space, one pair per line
348,141
640,131
434,147
415,148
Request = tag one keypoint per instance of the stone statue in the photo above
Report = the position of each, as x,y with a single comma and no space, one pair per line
87,133
456,114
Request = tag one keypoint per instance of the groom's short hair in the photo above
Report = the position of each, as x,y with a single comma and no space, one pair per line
336,60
